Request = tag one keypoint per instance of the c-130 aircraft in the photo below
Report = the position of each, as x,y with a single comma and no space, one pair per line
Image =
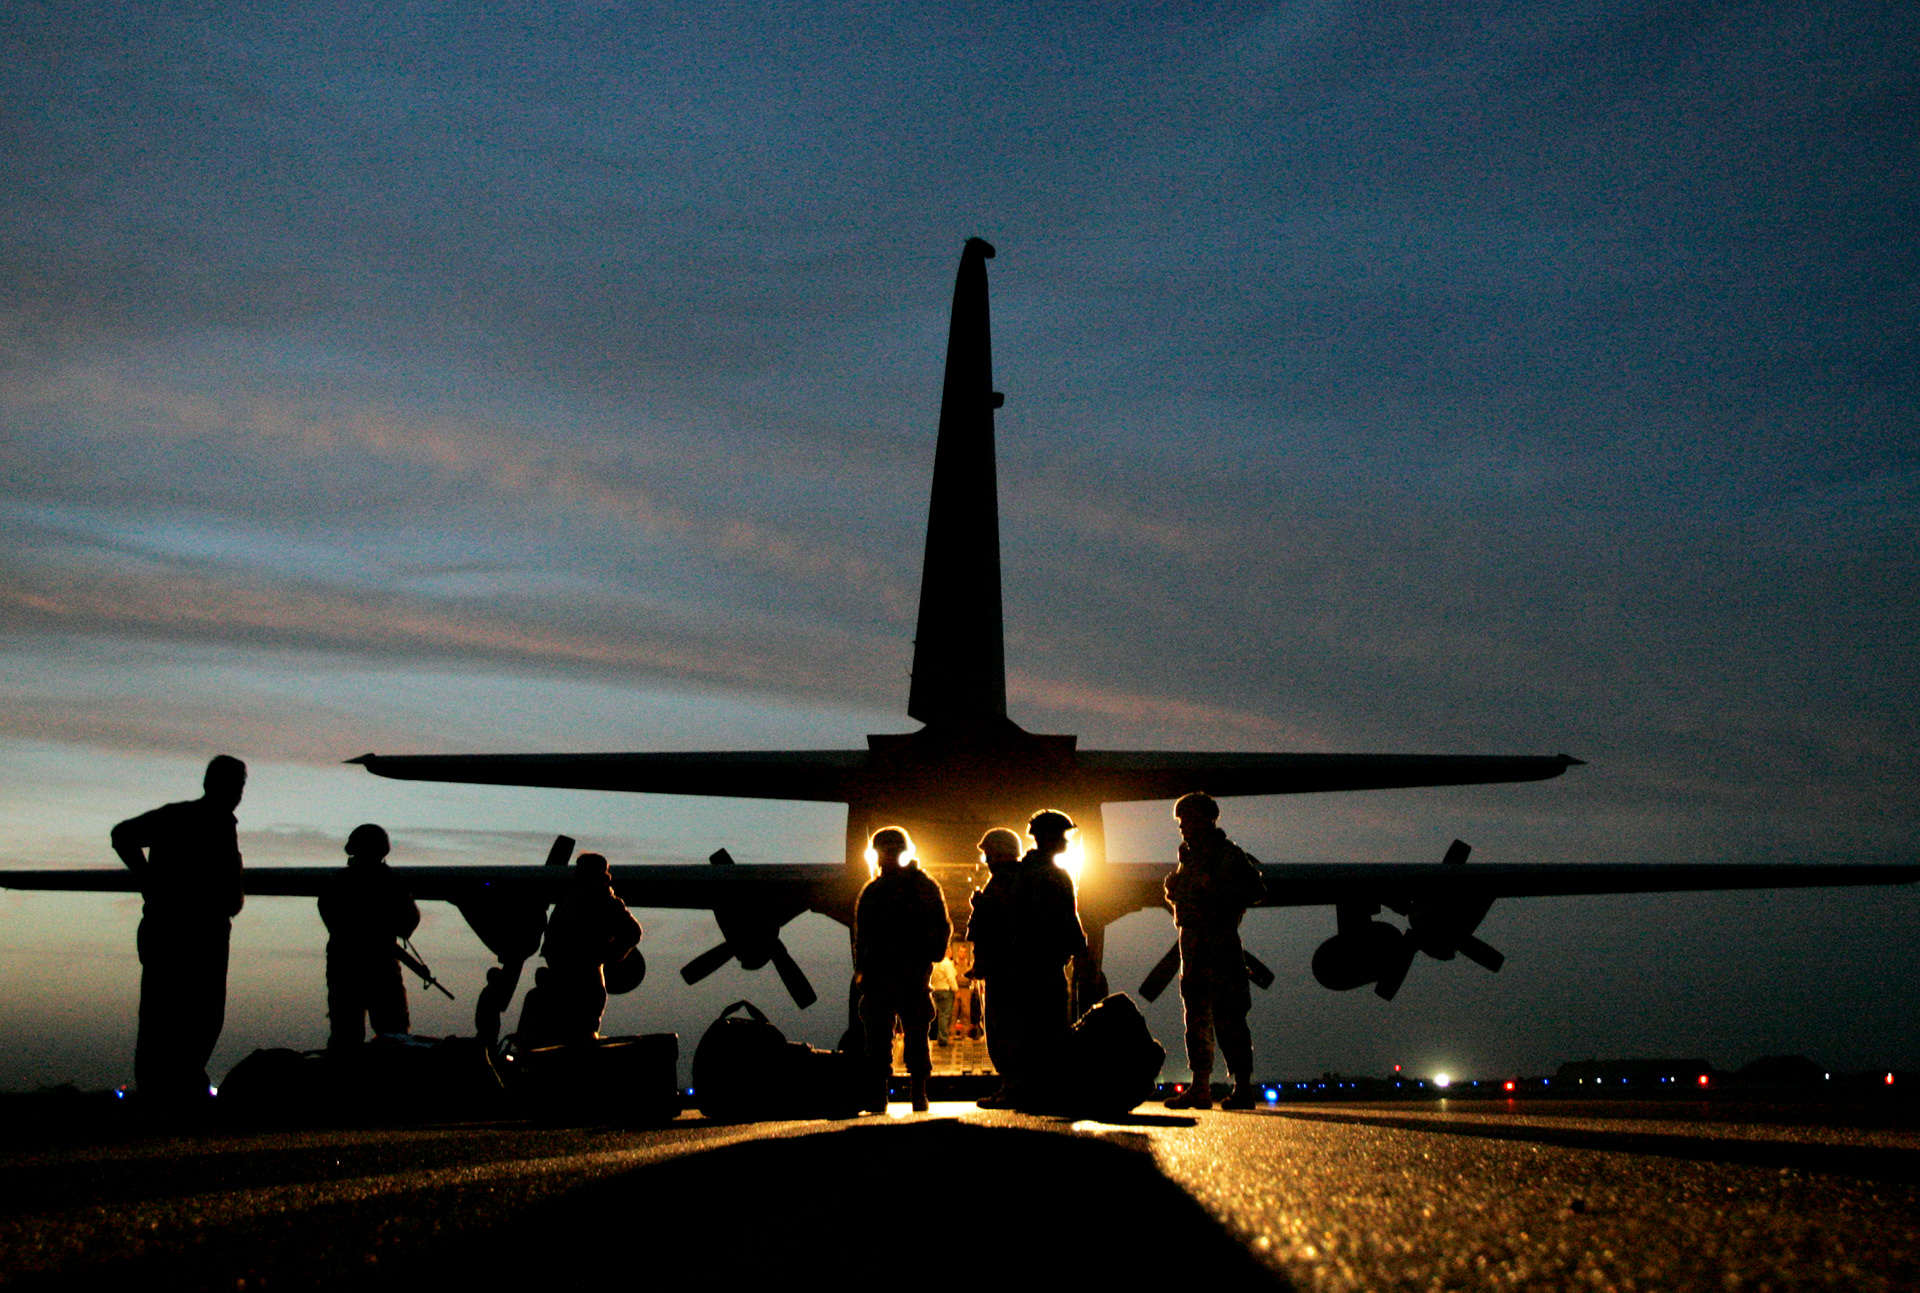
970,768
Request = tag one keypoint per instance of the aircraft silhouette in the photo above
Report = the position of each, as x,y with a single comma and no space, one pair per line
970,768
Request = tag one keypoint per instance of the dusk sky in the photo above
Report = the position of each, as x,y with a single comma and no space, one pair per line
1449,379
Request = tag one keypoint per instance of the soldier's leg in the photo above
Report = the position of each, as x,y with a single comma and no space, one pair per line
916,1014
386,998
1003,1027
876,1030
209,998
346,1007
1196,1001
1230,1026
155,1050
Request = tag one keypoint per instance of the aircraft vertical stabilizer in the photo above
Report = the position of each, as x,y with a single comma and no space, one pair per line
959,656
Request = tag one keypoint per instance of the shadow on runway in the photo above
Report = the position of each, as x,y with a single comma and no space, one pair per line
1005,1206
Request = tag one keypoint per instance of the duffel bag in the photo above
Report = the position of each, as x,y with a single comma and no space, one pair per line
745,1070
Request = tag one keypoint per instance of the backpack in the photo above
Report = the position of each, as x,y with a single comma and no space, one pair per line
1107,1065
745,1070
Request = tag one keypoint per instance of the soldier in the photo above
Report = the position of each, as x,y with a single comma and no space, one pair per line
590,928
187,856
365,909
900,929
1210,891
1025,927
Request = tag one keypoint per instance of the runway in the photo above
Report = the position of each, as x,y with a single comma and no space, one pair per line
1312,1197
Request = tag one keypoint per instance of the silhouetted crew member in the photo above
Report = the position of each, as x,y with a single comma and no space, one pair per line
900,929
589,928
365,909
187,856
1025,927
1210,891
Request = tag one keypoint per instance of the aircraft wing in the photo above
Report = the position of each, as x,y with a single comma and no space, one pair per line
1329,884
640,886
1114,775
837,776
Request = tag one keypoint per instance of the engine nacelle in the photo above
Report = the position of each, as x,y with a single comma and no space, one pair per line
1360,956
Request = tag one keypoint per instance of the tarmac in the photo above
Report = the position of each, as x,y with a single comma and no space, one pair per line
1430,1195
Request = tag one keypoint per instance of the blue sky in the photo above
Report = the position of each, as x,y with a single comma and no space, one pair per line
1478,379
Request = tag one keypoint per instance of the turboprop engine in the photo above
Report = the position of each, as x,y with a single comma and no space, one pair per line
1441,919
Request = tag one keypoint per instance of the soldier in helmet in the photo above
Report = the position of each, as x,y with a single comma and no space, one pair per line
590,928
1025,927
187,858
900,929
365,909
1210,891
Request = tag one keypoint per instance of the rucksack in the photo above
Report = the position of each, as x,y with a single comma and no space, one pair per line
1107,1064
745,1070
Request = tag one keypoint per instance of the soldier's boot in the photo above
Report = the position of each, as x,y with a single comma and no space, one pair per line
919,1095
1198,1095
1241,1097
876,1101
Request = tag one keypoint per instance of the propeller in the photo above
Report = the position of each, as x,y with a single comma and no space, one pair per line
1169,965
750,934
1371,951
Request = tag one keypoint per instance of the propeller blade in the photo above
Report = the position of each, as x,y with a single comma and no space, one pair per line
1456,853
1480,954
1161,974
1396,972
562,851
1257,971
707,962
793,976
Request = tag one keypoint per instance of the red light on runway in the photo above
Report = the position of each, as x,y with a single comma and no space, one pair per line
1509,1086
1703,1079
1889,1079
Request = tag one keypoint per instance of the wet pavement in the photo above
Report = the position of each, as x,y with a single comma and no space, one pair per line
1334,1197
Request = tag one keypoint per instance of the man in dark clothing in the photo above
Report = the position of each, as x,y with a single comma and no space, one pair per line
590,928
187,856
900,929
1025,927
365,909
1210,891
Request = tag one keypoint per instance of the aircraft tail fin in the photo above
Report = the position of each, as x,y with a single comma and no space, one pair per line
959,652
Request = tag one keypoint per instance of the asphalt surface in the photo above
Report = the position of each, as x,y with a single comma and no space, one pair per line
1404,1196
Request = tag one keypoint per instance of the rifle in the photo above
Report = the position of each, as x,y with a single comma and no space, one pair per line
405,954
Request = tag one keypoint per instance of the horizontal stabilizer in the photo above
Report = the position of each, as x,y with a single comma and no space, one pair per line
822,775
1113,775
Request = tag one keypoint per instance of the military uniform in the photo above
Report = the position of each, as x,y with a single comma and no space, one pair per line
900,929
589,928
1210,891
1025,927
190,878
365,908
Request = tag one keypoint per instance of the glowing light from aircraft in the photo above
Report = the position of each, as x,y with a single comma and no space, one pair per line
1442,1080
1509,1085
1703,1079
1073,858
1889,1079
